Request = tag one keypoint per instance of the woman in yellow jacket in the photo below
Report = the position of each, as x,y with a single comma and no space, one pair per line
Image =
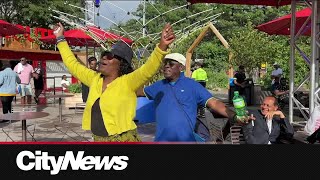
111,103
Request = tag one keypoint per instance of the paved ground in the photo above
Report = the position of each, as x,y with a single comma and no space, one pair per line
50,129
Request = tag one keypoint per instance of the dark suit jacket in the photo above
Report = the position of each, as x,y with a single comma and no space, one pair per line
259,133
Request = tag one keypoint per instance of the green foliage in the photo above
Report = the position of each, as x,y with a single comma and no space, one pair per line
156,77
214,54
36,13
75,88
217,79
251,48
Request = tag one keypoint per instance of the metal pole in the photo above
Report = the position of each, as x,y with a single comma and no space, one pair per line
94,14
54,90
87,52
313,54
86,12
24,130
144,19
292,58
60,110
317,53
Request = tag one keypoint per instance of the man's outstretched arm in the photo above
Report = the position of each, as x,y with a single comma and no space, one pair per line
221,108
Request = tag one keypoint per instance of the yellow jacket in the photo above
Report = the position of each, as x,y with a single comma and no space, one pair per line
200,75
118,102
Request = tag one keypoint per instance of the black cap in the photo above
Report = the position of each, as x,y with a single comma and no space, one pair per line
122,50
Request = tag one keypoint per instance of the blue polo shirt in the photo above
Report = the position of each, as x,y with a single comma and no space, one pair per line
172,122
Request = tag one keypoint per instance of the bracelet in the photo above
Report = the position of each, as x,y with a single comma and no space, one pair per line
60,39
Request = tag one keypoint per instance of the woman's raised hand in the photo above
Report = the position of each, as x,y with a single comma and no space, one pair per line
167,37
58,30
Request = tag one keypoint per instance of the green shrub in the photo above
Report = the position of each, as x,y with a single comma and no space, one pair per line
217,79
75,88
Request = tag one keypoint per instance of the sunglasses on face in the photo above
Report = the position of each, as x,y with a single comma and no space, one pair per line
170,62
110,56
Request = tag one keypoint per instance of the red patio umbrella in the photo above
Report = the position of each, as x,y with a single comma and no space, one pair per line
281,25
75,37
276,3
78,37
105,35
8,29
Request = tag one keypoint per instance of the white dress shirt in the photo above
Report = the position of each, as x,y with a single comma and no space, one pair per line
269,124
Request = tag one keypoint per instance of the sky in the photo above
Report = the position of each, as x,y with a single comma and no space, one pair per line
115,11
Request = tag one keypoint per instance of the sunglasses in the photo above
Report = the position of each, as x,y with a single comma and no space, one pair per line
170,62
110,56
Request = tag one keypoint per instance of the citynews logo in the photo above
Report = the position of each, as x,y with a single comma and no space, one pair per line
42,161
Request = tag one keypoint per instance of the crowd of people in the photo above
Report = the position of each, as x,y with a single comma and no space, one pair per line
22,79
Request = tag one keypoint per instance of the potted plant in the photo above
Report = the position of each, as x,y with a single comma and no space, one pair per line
76,90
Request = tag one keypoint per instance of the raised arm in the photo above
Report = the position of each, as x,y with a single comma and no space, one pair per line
77,69
18,79
143,74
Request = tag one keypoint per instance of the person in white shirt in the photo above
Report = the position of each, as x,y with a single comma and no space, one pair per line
277,72
64,83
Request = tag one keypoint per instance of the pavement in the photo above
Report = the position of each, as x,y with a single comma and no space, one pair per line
50,129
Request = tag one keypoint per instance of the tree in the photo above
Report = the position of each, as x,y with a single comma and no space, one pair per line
36,13
251,48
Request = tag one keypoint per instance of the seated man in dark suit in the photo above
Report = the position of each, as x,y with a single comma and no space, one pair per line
268,124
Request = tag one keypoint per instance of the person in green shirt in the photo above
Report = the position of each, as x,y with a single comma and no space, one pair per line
200,75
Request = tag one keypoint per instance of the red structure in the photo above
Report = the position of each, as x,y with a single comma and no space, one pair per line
281,25
7,29
14,47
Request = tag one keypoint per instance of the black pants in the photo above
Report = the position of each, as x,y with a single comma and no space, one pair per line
201,109
240,89
6,104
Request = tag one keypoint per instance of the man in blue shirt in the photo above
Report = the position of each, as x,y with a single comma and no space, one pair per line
176,100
